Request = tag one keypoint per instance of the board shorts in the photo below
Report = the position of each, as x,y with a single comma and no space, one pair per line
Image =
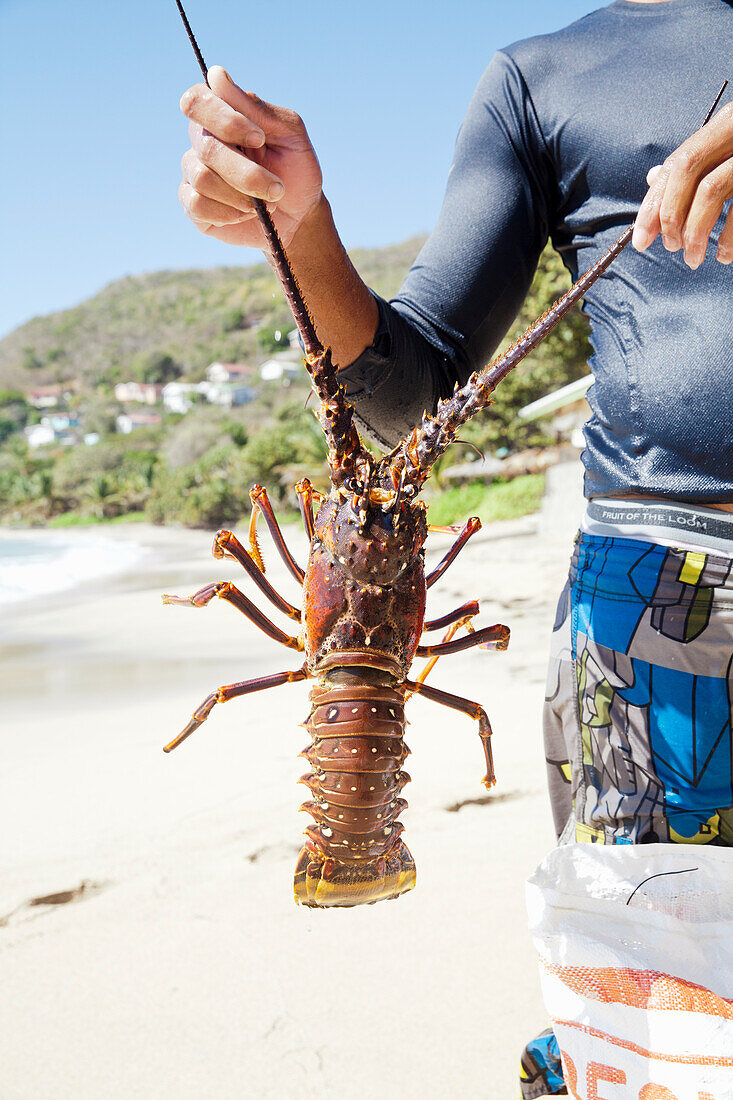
637,718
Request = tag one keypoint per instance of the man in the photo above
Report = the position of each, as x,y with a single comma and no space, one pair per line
559,136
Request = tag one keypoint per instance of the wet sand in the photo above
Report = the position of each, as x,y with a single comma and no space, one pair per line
151,945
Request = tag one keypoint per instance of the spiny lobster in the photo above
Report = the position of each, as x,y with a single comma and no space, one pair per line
364,591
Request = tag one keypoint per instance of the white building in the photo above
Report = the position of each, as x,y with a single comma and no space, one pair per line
229,372
51,396
178,397
226,394
128,422
281,368
46,397
145,393
38,435
59,428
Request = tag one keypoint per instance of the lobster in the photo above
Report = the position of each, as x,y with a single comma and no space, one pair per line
363,616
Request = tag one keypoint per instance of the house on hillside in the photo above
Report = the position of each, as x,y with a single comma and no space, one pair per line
49,397
229,372
281,368
128,422
226,394
59,428
178,397
145,393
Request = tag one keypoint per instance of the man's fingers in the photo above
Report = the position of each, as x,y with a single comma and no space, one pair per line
202,209
688,166
276,122
707,204
206,182
234,167
201,105
229,234
647,226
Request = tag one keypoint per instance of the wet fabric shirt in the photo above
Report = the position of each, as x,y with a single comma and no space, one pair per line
556,144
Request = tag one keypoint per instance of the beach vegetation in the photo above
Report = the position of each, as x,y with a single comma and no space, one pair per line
499,501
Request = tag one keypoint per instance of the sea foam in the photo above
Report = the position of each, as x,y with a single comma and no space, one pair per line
32,567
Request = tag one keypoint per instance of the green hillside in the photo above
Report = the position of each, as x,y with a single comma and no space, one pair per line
196,467
195,317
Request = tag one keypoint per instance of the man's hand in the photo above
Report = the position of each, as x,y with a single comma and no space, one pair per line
686,194
219,180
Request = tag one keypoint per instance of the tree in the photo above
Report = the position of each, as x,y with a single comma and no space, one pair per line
100,414
271,338
190,439
14,410
30,359
156,367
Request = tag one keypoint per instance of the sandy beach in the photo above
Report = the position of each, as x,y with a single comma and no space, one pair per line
150,943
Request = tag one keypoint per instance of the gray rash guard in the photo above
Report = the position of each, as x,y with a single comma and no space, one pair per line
557,142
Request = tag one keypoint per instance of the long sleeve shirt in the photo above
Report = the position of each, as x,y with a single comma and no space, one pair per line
556,144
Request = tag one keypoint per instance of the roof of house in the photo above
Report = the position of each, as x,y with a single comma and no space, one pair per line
47,391
234,368
551,402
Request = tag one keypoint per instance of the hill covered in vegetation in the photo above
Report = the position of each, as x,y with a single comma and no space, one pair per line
195,467
195,317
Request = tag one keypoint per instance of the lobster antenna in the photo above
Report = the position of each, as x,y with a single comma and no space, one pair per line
313,346
336,413
711,112
428,442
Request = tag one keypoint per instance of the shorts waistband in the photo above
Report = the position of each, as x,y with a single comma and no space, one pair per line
674,524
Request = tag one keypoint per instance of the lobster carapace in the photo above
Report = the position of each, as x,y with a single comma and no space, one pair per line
363,616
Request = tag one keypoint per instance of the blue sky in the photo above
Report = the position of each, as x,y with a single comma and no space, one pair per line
92,137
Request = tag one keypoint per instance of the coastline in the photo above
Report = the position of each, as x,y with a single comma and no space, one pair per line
147,899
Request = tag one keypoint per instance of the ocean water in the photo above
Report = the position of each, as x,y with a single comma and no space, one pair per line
31,566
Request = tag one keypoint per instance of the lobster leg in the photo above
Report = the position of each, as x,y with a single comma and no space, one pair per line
446,638
304,489
470,527
227,545
466,612
474,710
225,590
494,637
261,501
232,691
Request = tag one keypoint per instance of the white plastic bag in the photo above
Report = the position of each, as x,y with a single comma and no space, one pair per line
637,971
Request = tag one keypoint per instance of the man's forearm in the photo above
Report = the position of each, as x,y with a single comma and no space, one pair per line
342,309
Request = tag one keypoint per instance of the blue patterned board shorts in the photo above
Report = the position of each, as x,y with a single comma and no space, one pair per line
637,718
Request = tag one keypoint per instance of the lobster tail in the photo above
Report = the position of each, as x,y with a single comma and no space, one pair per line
416,456
354,853
321,883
